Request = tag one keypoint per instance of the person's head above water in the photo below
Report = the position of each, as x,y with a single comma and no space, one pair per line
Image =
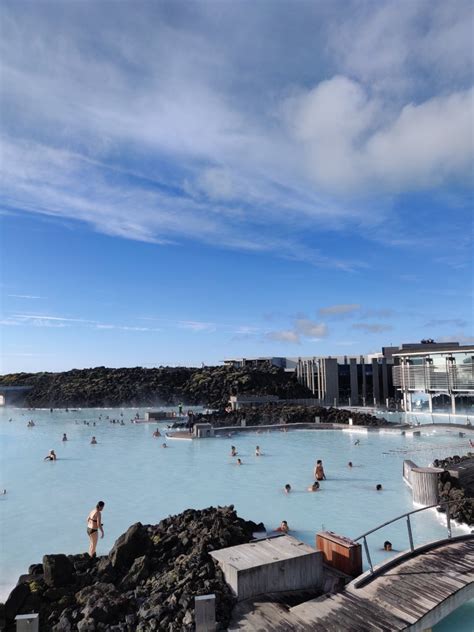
378,487
287,488
387,545
350,464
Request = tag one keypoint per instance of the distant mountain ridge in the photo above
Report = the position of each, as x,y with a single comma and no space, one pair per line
137,386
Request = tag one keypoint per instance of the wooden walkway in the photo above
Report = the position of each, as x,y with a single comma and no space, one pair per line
393,600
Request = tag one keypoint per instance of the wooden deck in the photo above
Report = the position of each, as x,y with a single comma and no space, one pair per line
417,588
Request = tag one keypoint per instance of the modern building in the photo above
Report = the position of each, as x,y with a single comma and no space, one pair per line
350,381
357,381
442,373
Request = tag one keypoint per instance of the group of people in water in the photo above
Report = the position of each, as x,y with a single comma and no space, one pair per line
319,475
51,456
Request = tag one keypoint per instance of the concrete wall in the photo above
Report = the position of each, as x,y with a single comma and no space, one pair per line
354,382
298,573
407,468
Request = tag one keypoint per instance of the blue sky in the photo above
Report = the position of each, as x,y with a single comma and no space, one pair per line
184,182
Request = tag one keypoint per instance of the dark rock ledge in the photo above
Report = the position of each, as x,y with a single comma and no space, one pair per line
281,413
460,493
147,582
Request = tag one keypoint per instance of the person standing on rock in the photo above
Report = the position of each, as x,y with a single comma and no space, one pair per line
94,525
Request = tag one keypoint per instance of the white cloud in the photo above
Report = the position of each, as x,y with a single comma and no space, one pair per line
284,335
26,296
165,133
401,48
338,310
310,329
353,141
302,327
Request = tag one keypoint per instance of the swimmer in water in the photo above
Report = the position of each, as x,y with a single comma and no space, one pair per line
283,528
287,488
356,442
233,451
349,464
314,487
64,437
93,441
157,433
163,445
387,545
239,462
51,456
378,487
257,451
319,474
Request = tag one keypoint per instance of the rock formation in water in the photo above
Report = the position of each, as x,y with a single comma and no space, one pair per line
278,413
147,582
207,386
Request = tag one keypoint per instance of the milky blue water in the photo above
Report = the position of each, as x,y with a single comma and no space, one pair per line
45,508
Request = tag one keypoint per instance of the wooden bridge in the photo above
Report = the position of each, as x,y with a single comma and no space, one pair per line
413,594
413,591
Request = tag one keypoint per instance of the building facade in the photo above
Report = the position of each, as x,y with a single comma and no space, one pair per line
445,376
348,381
442,373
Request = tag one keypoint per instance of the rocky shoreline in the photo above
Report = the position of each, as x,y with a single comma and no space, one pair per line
137,386
147,582
462,510
276,413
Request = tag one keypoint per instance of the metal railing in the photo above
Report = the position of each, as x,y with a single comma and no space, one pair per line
432,378
445,504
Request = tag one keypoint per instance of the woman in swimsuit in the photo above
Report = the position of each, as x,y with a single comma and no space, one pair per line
51,456
94,525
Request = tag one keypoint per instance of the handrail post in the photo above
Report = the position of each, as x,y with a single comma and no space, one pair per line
366,546
410,534
448,520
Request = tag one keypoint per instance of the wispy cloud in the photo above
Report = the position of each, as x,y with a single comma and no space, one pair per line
283,335
248,158
339,310
308,328
40,317
26,296
302,328
39,320
372,328
197,326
